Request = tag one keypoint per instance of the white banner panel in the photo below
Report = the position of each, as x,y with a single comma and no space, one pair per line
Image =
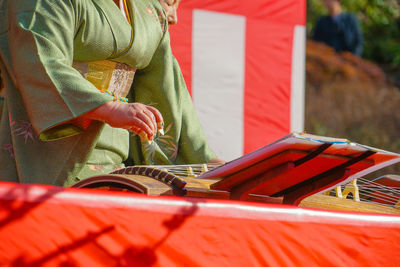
298,79
218,69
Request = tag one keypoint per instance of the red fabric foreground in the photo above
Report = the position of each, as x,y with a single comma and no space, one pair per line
50,226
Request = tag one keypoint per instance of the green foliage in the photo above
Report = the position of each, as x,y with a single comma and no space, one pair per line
380,21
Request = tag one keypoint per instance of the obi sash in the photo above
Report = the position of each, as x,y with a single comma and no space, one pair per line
110,77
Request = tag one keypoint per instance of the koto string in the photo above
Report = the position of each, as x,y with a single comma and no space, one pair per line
371,190
182,170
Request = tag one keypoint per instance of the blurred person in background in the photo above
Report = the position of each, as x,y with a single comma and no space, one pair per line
339,30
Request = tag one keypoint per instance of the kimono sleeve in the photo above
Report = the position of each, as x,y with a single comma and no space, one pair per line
161,84
41,36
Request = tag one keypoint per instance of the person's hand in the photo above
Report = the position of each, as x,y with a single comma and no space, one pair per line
136,117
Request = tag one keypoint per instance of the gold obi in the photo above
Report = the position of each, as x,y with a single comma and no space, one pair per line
110,77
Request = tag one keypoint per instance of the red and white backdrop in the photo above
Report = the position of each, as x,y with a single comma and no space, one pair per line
243,62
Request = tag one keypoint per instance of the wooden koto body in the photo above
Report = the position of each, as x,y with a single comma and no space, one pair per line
142,179
286,171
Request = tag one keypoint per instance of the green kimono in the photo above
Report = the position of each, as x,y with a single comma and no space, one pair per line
39,41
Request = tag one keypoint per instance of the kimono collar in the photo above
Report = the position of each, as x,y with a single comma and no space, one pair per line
124,9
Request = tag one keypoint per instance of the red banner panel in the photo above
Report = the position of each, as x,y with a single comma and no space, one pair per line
244,66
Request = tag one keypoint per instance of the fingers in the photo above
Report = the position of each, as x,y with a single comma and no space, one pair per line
140,126
150,117
137,117
158,117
